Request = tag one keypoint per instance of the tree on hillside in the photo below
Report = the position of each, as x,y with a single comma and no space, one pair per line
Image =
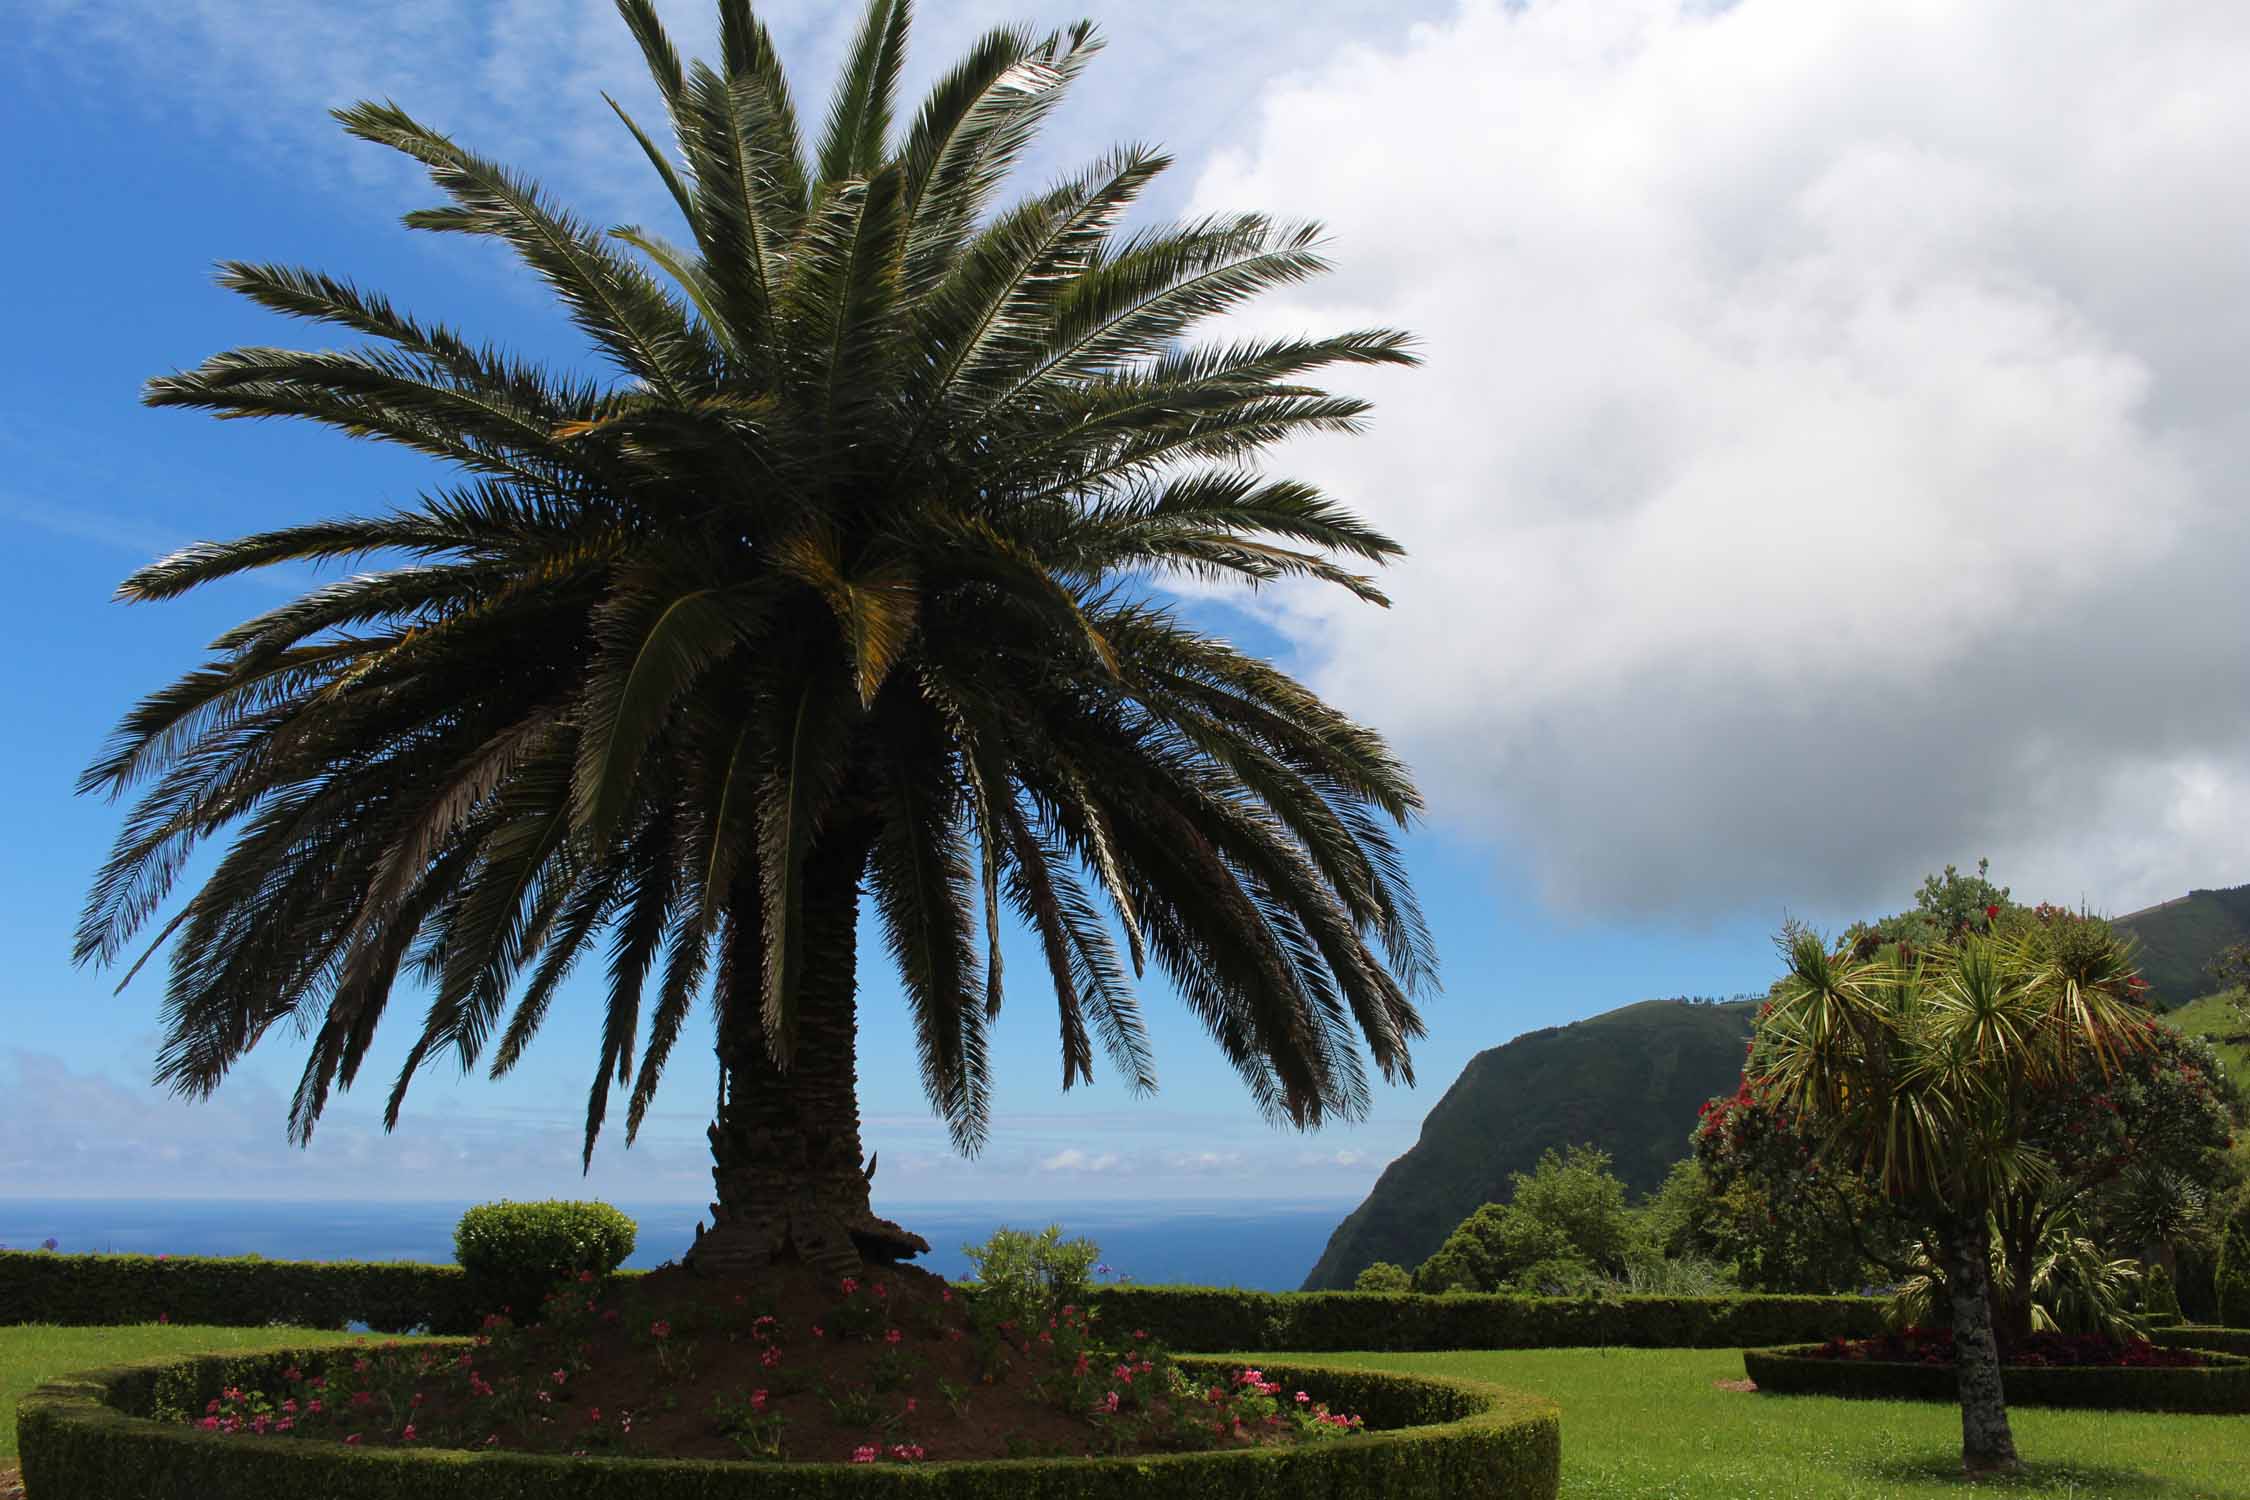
1565,1224
1925,1066
833,582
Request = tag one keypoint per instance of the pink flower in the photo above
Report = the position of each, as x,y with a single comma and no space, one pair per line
816,1333
352,1440
850,1286
1109,1403
906,1453
757,1400
660,1329
163,1317
408,1435
1302,1398
892,1336
910,1405
593,1414
866,1455
560,1376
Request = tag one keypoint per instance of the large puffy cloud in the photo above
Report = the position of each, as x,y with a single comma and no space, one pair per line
1829,458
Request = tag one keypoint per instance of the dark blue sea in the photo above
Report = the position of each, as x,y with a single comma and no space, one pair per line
1258,1246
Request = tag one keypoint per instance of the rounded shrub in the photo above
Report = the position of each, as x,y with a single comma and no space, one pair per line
96,1435
2221,1386
516,1253
1384,1277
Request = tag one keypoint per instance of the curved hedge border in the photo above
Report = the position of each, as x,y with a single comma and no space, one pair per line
1319,1322
2218,1388
88,1437
2203,1336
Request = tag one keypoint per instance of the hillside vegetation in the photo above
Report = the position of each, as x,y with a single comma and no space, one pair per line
1628,1082
2178,939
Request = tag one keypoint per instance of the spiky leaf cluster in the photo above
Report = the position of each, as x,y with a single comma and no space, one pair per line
852,544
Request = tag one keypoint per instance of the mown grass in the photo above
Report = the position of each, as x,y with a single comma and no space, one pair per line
1652,1424
36,1352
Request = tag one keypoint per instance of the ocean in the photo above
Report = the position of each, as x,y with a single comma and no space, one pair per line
1257,1246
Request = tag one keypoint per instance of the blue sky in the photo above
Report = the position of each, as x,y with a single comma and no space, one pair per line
1720,466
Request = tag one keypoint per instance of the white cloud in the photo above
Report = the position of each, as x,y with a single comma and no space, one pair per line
1071,1159
1829,459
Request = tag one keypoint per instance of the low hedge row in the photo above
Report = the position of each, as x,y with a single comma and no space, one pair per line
1308,1322
2202,1336
90,1437
398,1297
2217,1388
387,1296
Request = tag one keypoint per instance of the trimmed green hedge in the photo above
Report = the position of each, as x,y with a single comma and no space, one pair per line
1308,1322
2218,1388
87,1437
244,1292
2203,1336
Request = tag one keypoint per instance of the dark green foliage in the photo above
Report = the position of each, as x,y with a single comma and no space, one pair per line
2216,1388
2233,1275
244,1292
515,1253
2160,1304
1216,1319
1627,1082
1463,1441
2176,942
1383,1277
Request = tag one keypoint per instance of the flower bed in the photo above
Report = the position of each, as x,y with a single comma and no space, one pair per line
96,1435
2049,1370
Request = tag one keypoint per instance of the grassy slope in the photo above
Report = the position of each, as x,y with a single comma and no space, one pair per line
1651,1424
2179,938
32,1353
1629,1081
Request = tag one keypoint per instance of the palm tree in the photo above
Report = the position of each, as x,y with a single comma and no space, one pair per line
1926,1070
841,583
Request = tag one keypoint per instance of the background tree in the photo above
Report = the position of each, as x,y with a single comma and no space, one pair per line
1565,1226
832,583
1383,1277
1923,1066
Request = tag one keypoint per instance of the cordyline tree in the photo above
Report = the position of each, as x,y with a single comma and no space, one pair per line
1928,1069
834,583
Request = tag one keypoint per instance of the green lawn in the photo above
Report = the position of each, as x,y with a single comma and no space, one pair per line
32,1353
1651,1424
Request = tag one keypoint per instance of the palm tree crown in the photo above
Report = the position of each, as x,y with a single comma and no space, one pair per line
840,582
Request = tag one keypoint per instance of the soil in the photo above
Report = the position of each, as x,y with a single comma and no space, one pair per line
11,1482
666,1366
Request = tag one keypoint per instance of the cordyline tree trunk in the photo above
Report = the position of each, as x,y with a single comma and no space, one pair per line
1987,1444
785,1147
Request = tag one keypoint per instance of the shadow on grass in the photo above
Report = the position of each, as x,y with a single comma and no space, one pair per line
1940,1467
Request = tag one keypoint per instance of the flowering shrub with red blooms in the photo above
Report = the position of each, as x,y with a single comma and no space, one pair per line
1934,1346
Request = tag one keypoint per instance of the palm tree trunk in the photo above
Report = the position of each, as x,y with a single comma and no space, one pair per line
1987,1444
785,1147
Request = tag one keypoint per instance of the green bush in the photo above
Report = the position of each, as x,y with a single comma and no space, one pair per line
2160,1304
2219,1388
1028,1278
94,1436
1383,1277
516,1253
237,1292
1217,1319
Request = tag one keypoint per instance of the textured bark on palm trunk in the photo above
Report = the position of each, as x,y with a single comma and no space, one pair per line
1987,1444
785,1148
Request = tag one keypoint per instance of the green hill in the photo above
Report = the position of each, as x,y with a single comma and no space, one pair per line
2179,938
1629,1081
